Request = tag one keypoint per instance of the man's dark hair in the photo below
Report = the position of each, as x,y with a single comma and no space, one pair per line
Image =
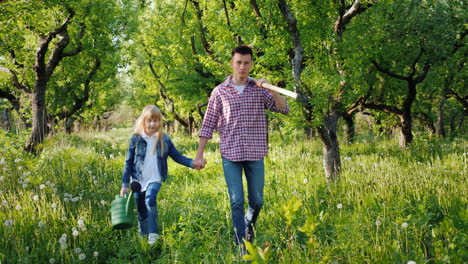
242,49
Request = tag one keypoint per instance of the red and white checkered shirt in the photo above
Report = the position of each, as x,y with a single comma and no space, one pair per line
240,120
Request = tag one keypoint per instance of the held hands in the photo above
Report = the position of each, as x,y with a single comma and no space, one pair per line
199,163
123,191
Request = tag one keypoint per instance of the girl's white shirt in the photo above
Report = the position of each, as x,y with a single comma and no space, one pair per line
150,171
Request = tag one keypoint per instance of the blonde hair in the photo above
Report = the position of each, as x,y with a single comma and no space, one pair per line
150,111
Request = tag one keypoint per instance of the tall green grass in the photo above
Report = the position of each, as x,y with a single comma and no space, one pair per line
390,206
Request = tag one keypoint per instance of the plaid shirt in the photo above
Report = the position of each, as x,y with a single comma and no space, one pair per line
240,120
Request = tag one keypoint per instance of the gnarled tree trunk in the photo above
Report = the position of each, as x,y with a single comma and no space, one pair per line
331,148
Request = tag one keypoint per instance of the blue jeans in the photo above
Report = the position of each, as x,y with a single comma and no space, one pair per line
255,175
148,209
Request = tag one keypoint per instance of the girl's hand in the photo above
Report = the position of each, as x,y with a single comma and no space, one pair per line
123,191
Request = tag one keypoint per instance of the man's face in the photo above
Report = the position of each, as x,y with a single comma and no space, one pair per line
241,65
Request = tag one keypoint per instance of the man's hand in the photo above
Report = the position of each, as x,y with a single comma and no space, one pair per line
199,163
260,81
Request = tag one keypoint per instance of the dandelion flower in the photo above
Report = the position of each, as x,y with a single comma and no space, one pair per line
2,178
96,253
17,160
8,222
52,260
76,233
404,225
42,186
82,256
41,224
53,205
25,186
339,206
305,181
378,223
36,197
66,199
411,262
4,203
18,207
63,240
80,223
78,250
63,246
64,218
2,161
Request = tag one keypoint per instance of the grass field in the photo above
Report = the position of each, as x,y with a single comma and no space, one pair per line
390,206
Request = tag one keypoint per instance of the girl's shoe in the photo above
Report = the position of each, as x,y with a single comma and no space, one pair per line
152,237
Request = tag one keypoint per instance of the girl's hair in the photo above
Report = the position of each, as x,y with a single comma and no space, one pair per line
153,112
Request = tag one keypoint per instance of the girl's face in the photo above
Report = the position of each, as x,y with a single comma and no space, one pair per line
151,126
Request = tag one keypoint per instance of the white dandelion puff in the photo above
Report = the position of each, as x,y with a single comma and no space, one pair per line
76,233
36,197
18,207
378,223
339,206
78,250
96,253
82,256
404,225
52,260
8,222
42,186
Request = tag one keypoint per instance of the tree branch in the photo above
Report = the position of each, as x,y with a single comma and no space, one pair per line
382,107
383,70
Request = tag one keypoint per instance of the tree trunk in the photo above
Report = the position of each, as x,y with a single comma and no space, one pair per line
6,120
39,115
406,136
440,131
349,129
331,148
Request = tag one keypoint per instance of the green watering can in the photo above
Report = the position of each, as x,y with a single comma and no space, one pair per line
122,214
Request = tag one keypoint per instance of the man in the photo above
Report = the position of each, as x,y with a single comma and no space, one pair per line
237,109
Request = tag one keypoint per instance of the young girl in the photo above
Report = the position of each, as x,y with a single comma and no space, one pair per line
146,163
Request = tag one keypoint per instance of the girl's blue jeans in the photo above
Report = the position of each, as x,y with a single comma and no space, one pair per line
148,209
255,175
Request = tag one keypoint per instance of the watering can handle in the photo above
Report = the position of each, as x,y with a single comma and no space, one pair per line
127,207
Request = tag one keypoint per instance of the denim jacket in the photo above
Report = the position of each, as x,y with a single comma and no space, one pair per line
136,156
